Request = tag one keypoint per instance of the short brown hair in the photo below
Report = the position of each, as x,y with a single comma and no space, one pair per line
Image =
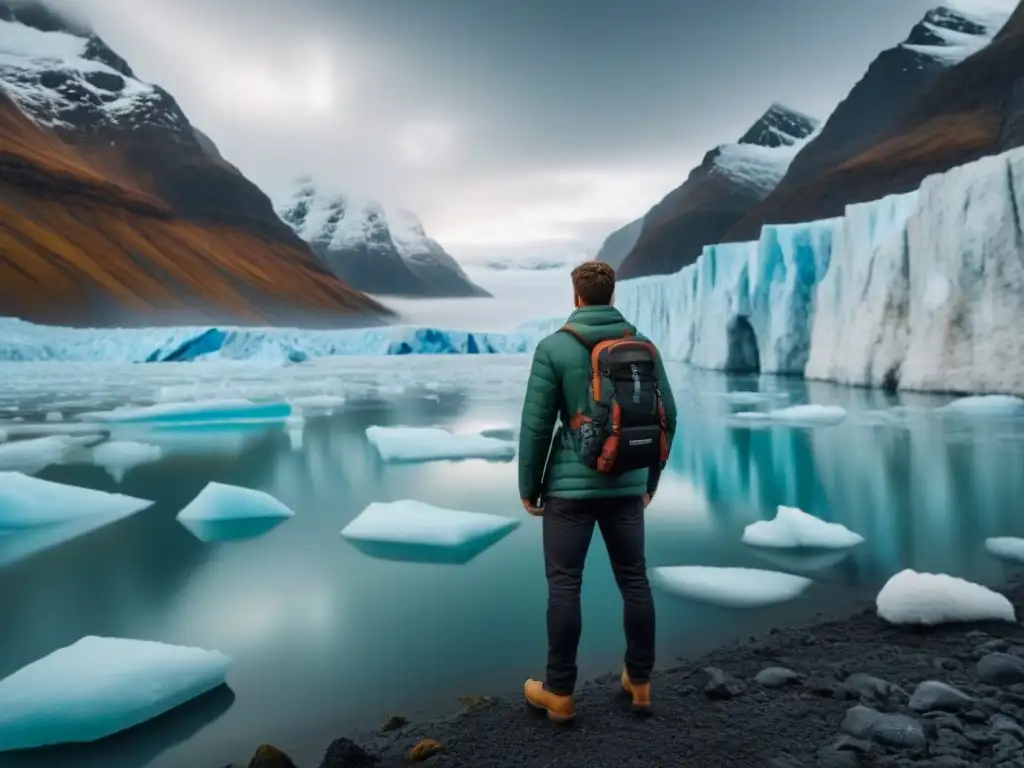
594,281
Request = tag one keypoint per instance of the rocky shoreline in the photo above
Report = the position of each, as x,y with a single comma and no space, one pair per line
839,694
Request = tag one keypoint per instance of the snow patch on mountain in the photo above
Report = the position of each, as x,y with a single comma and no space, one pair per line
54,76
959,29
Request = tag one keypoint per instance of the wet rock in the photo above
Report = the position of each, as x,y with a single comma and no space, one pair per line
873,690
268,756
1004,724
1016,650
891,730
945,761
345,753
776,677
786,761
940,720
932,695
721,686
850,744
478,703
422,750
836,758
948,665
826,688
394,723
1001,669
992,646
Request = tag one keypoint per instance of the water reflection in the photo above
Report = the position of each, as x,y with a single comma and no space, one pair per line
209,531
134,747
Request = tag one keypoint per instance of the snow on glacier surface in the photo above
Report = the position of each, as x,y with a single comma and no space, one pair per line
922,290
930,599
99,686
416,444
792,528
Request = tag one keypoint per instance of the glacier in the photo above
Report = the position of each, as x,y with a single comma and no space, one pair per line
922,291
23,341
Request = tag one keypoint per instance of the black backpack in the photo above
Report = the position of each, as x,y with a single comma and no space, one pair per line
623,427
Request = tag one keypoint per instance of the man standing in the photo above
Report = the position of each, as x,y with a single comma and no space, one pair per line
607,385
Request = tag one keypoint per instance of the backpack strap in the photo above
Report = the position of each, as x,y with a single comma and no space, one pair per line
627,334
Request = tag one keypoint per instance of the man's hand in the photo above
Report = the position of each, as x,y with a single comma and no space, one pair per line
647,500
528,506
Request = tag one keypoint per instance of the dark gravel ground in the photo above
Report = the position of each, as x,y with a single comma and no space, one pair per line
853,700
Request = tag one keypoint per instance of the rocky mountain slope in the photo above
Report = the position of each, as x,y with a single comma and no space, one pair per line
114,209
374,249
618,244
731,179
944,97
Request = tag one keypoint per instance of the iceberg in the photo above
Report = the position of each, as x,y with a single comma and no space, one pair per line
99,686
325,404
218,501
119,456
1006,547
35,454
797,415
415,444
923,291
414,531
24,341
793,528
997,406
28,501
197,412
929,599
729,587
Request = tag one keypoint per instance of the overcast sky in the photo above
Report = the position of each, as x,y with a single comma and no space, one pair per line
508,126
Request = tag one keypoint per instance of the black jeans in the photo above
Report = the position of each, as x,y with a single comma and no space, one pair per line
568,528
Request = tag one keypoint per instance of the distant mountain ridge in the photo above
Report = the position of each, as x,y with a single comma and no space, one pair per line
730,180
114,209
383,251
951,93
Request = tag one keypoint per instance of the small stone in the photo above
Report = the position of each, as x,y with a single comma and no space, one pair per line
890,730
1004,724
721,686
946,761
786,761
477,703
945,720
394,723
826,688
776,677
850,744
948,665
345,753
268,756
991,646
872,689
833,758
422,750
1016,650
932,695
1001,669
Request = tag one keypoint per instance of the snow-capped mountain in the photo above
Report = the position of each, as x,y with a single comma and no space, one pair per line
123,211
730,180
898,124
379,250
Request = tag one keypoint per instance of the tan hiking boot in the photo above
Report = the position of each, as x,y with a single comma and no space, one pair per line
641,693
559,708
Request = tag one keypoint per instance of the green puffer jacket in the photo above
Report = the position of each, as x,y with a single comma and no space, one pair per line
558,386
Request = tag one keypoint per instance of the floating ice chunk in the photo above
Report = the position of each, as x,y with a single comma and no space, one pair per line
910,597
118,456
218,501
1006,547
28,501
986,405
54,416
793,528
418,532
415,522
31,456
730,587
318,403
197,411
799,415
296,426
409,444
100,686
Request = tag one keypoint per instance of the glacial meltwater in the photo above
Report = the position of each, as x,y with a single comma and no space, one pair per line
329,637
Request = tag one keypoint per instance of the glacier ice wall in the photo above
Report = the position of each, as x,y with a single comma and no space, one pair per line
923,290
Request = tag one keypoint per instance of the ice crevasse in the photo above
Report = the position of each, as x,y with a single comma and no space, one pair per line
923,290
